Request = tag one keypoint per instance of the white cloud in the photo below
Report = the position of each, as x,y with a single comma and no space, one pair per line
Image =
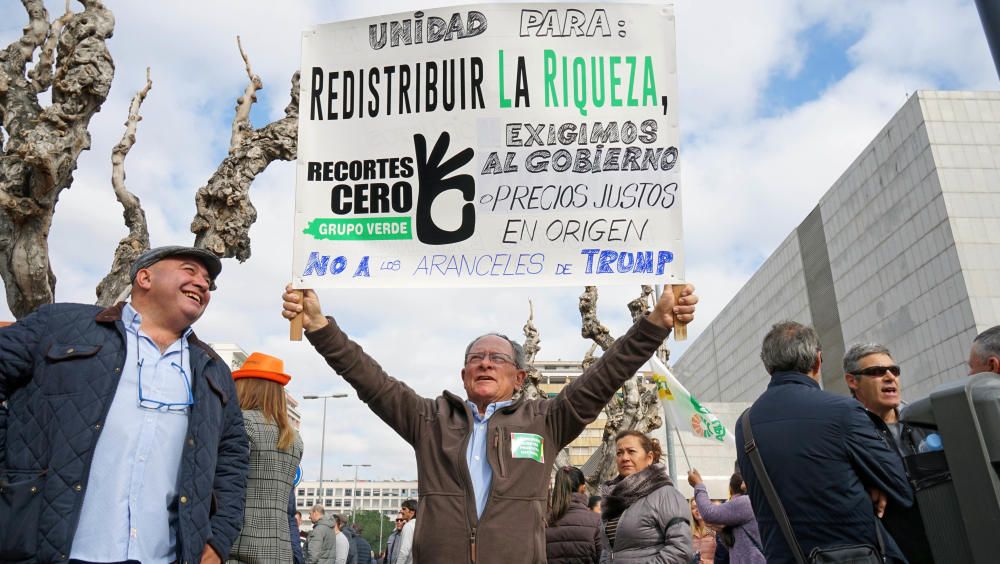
751,174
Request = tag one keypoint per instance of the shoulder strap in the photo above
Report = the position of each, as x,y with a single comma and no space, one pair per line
750,448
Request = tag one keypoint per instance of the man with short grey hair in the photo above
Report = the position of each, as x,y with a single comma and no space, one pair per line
874,380
321,543
985,353
822,453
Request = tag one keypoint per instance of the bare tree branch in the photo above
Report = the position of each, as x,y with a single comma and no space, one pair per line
639,307
36,31
532,340
225,213
591,327
43,144
116,283
532,344
41,74
241,122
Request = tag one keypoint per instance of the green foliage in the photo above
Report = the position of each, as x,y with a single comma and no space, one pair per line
369,520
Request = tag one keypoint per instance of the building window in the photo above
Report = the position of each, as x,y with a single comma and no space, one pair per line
302,492
329,492
368,492
340,492
327,503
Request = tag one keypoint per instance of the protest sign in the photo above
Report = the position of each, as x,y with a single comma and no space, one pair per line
486,145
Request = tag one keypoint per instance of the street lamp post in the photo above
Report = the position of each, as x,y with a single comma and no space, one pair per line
354,492
322,444
381,519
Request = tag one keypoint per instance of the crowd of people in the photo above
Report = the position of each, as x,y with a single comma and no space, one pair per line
124,439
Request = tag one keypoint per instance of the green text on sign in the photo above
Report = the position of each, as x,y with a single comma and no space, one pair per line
360,229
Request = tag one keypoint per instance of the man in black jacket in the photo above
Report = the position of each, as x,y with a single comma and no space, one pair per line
874,380
362,546
822,453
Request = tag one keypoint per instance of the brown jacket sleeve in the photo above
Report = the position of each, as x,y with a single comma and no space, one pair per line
582,400
393,401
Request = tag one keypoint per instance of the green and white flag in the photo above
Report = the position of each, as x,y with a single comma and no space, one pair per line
683,409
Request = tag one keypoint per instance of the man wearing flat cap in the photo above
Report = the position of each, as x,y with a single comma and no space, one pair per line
121,439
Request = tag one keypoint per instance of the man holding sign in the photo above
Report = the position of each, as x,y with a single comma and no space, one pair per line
483,463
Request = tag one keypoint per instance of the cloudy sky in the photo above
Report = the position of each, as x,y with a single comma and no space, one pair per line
777,98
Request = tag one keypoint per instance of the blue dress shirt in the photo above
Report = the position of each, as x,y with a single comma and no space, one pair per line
130,507
475,454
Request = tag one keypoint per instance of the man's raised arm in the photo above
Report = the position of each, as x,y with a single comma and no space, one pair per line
393,401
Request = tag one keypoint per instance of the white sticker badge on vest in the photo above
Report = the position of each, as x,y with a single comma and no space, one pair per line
527,445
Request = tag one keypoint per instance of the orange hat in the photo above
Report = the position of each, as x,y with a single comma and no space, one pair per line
260,365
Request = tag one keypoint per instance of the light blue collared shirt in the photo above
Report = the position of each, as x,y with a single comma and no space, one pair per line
130,505
475,454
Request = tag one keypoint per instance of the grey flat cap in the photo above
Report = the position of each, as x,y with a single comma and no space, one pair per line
208,259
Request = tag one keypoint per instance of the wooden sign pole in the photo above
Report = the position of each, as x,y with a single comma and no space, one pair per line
680,329
295,327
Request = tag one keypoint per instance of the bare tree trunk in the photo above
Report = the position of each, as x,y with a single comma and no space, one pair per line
115,285
225,213
43,144
637,408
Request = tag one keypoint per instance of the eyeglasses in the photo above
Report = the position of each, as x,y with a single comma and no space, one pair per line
399,520
495,358
157,405
877,371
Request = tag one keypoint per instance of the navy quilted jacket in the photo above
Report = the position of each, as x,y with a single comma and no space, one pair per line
59,369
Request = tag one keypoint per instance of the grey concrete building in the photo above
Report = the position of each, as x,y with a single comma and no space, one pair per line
904,249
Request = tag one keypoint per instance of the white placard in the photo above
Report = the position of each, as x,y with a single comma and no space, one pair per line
489,145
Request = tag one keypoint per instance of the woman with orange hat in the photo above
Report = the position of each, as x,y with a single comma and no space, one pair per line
275,452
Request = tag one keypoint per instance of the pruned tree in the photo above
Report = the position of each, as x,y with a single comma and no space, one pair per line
637,407
224,211
42,144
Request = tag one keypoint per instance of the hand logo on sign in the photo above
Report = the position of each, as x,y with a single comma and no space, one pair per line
432,174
